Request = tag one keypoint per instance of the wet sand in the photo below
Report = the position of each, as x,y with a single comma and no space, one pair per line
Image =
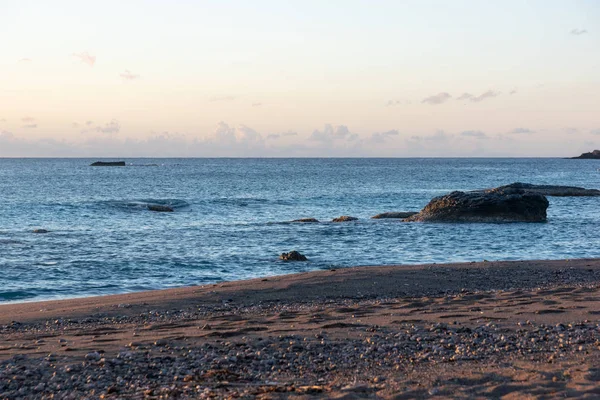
523,329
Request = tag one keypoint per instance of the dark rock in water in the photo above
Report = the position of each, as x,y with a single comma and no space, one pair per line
40,231
594,155
108,164
344,218
398,214
292,256
306,220
548,190
506,205
159,208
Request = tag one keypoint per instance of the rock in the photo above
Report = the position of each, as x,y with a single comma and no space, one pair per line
548,190
40,231
344,218
506,205
395,214
306,220
594,155
159,208
108,164
292,256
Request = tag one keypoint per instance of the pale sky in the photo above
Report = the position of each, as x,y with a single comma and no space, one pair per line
300,78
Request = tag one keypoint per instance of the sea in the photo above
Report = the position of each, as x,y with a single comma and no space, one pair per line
231,219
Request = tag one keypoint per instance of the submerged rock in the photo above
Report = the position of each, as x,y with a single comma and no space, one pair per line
306,220
395,214
594,155
159,208
502,205
548,190
40,231
292,256
344,218
108,164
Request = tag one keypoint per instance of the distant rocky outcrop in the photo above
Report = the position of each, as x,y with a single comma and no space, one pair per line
306,220
40,231
594,155
548,190
160,208
292,256
395,214
108,164
502,205
344,218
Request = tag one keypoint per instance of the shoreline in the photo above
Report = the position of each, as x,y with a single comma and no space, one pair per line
349,282
488,329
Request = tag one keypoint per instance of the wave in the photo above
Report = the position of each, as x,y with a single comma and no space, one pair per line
144,204
246,201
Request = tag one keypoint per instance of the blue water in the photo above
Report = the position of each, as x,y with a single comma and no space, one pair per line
230,214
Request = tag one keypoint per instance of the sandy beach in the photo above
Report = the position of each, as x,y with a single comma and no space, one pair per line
520,329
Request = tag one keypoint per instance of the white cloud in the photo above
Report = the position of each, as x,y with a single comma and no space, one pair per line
129,76
437,99
578,32
111,127
474,134
518,131
332,133
382,137
595,131
481,97
221,98
85,58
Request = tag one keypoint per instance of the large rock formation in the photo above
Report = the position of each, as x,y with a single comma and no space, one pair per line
594,155
395,214
292,256
108,164
548,190
507,205
344,218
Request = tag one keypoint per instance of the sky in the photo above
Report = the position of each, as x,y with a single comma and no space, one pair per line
306,78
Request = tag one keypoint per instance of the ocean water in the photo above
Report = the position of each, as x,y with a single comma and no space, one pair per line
230,219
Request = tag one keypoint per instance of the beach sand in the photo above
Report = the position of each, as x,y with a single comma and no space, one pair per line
520,329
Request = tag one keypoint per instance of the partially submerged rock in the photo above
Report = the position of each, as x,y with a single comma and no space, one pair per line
344,218
40,231
506,205
594,155
292,256
306,220
549,190
160,208
108,164
395,214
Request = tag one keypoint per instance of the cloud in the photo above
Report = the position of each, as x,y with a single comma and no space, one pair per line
571,131
381,137
595,131
2,120
518,131
437,99
439,136
332,133
481,97
28,119
85,58
578,32
30,126
256,104
514,91
474,134
89,123
129,76
222,98
25,60
112,127
392,103
273,136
